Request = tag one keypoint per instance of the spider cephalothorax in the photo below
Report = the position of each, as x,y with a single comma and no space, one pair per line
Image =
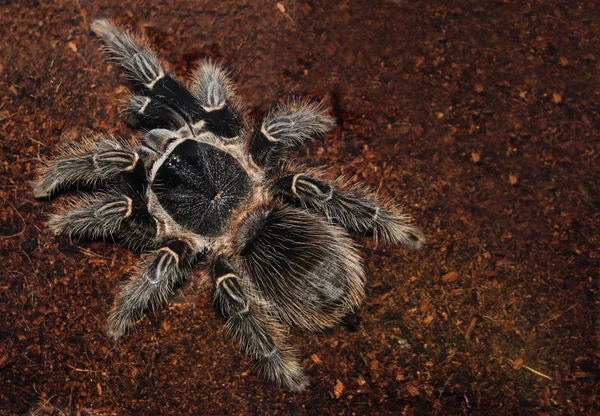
201,188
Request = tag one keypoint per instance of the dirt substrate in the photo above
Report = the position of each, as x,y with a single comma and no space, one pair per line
480,118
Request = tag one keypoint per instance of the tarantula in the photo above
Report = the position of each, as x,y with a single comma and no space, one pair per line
201,189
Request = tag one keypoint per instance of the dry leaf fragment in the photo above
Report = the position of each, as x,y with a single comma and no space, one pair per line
72,46
281,7
556,98
512,179
475,157
450,277
518,363
338,389
166,325
316,359
121,89
413,391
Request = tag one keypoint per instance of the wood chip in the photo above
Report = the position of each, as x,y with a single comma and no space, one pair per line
450,277
413,391
556,98
470,329
316,359
165,325
512,179
72,46
518,363
475,157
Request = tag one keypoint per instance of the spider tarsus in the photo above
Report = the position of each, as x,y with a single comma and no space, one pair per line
392,228
212,86
262,339
283,368
44,188
352,320
139,62
63,173
215,92
102,27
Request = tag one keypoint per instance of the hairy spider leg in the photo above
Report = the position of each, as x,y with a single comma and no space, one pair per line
104,163
213,88
88,163
164,101
356,211
151,284
285,128
260,337
99,216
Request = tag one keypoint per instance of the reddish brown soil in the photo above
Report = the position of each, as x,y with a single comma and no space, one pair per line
481,118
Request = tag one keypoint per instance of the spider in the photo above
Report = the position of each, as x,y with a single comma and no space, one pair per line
201,189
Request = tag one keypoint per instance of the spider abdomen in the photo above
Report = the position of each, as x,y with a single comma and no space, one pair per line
306,270
199,185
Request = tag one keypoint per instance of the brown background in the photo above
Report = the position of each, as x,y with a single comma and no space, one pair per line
481,118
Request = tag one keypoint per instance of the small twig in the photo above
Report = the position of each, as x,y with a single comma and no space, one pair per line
6,117
6,237
385,172
470,329
20,216
38,411
444,387
281,8
495,320
557,315
534,371
89,252
37,396
35,141
537,372
83,370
